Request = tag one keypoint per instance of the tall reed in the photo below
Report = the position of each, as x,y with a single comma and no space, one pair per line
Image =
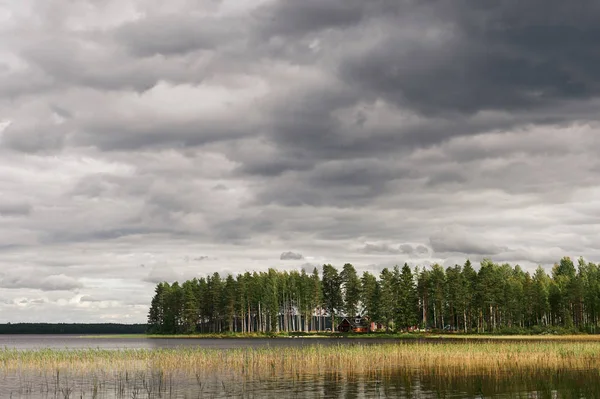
452,358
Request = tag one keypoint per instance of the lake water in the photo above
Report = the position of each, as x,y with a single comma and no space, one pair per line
148,383
331,384
33,342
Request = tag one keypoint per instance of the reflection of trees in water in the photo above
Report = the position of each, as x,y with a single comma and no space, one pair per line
333,383
403,383
520,383
434,383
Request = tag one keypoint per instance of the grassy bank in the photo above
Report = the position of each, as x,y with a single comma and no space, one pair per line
450,358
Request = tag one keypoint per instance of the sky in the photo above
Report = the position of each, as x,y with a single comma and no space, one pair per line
146,140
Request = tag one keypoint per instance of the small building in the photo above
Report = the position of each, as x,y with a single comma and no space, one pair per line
345,326
358,324
376,326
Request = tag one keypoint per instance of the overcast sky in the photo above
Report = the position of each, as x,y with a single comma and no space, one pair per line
147,140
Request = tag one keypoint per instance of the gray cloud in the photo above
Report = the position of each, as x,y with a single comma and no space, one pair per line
421,249
175,34
456,239
87,298
310,267
15,208
381,249
59,282
514,54
387,249
40,138
205,136
288,18
291,256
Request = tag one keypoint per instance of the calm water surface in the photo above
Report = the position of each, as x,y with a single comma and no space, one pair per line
392,384
32,342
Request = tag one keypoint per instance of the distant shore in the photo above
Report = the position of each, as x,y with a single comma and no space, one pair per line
72,328
384,336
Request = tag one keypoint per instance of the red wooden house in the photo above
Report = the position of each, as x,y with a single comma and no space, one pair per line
358,324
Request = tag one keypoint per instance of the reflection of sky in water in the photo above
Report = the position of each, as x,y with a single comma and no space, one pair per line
391,383
80,342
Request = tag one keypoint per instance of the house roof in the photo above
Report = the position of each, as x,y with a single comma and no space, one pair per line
351,320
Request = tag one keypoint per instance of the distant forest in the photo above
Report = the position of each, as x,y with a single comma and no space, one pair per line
495,298
61,328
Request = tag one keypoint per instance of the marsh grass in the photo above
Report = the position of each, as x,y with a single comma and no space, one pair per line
453,358
385,369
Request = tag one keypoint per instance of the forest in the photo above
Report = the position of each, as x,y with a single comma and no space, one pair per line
495,298
74,328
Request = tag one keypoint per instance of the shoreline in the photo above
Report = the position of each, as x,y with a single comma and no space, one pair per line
379,336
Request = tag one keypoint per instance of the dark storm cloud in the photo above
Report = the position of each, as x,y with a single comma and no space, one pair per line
507,55
294,18
468,59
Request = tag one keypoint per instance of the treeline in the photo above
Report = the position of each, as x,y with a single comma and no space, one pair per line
62,328
459,298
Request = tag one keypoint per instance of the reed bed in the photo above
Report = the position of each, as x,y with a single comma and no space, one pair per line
457,358
546,337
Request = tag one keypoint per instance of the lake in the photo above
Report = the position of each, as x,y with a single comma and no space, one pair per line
33,342
152,379
577,384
